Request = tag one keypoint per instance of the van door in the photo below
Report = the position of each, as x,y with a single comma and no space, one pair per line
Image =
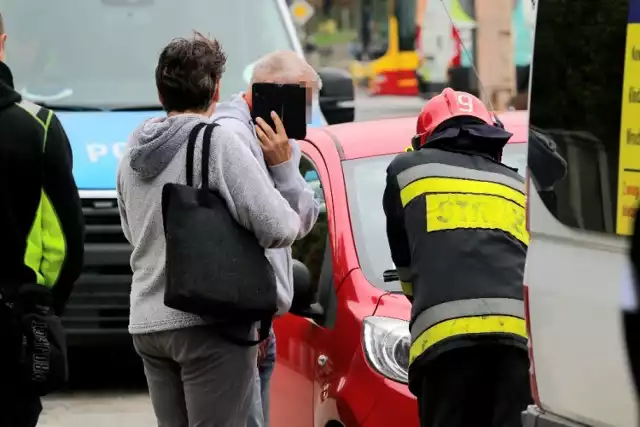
585,75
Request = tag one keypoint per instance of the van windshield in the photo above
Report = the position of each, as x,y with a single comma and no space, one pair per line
103,53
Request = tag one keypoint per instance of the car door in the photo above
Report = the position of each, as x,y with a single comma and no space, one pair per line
292,389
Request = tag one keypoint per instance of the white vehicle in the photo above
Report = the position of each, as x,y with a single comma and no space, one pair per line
578,255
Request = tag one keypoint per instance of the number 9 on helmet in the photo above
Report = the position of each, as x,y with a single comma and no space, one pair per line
445,106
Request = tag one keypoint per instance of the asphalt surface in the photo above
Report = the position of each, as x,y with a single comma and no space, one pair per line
107,386
378,107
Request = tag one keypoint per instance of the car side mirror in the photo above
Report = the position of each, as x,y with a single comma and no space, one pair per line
310,47
337,97
304,296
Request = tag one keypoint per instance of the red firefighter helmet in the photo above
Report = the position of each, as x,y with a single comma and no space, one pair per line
447,105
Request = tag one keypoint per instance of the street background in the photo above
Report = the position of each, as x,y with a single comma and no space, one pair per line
107,386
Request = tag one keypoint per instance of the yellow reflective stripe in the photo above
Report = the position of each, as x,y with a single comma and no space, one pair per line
54,245
407,288
33,252
46,246
459,185
46,129
454,211
466,326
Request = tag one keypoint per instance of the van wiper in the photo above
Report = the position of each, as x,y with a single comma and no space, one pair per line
148,107
69,107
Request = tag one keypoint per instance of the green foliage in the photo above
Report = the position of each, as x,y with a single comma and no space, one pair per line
321,39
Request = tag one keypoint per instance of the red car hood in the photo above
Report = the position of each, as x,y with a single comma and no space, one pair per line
394,305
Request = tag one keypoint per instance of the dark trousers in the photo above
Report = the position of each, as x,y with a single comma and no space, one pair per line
18,409
18,406
480,386
632,332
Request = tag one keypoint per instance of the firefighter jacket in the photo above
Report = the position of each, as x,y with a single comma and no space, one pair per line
457,234
40,210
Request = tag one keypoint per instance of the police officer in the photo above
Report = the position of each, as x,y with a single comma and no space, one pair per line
42,248
456,230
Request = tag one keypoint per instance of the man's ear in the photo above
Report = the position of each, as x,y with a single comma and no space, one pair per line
3,38
216,94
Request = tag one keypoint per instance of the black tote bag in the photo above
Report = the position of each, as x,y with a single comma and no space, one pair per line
215,267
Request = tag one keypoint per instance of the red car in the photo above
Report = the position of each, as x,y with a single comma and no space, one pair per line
342,354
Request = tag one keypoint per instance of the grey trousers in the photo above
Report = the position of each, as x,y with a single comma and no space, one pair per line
196,378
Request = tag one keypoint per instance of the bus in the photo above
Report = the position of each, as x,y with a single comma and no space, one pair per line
430,44
584,97
394,73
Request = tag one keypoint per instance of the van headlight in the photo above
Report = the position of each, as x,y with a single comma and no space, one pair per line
386,343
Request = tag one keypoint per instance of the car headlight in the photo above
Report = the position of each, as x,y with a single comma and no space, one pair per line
386,343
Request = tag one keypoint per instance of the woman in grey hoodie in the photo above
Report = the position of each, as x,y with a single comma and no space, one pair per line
195,377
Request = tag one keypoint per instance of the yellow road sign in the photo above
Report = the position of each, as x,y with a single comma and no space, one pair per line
301,11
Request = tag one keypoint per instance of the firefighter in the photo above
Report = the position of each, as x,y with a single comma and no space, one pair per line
456,230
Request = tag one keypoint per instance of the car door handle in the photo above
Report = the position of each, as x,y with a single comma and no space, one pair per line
322,360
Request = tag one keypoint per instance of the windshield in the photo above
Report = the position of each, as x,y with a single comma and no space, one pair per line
365,182
103,53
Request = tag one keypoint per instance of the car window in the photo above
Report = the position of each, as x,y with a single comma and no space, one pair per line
310,250
585,97
365,182
105,52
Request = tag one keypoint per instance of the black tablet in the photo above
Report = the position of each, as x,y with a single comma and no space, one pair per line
289,101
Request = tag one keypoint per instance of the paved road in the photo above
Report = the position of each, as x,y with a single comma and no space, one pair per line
108,389
371,108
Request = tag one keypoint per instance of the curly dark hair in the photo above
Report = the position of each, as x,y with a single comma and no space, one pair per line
188,73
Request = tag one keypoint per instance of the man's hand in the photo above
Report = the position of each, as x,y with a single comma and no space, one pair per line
275,144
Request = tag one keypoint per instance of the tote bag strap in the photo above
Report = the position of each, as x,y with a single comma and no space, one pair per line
191,146
206,148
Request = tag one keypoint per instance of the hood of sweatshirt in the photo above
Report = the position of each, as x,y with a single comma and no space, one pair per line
156,141
8,96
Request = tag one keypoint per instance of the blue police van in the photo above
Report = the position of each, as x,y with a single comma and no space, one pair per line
93,62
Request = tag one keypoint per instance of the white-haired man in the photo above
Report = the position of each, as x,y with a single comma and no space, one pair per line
280,157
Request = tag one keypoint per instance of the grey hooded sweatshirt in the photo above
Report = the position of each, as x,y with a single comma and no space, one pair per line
234,115
156,155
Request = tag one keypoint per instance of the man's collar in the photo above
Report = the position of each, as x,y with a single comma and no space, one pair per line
5,75
8,95
244,96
